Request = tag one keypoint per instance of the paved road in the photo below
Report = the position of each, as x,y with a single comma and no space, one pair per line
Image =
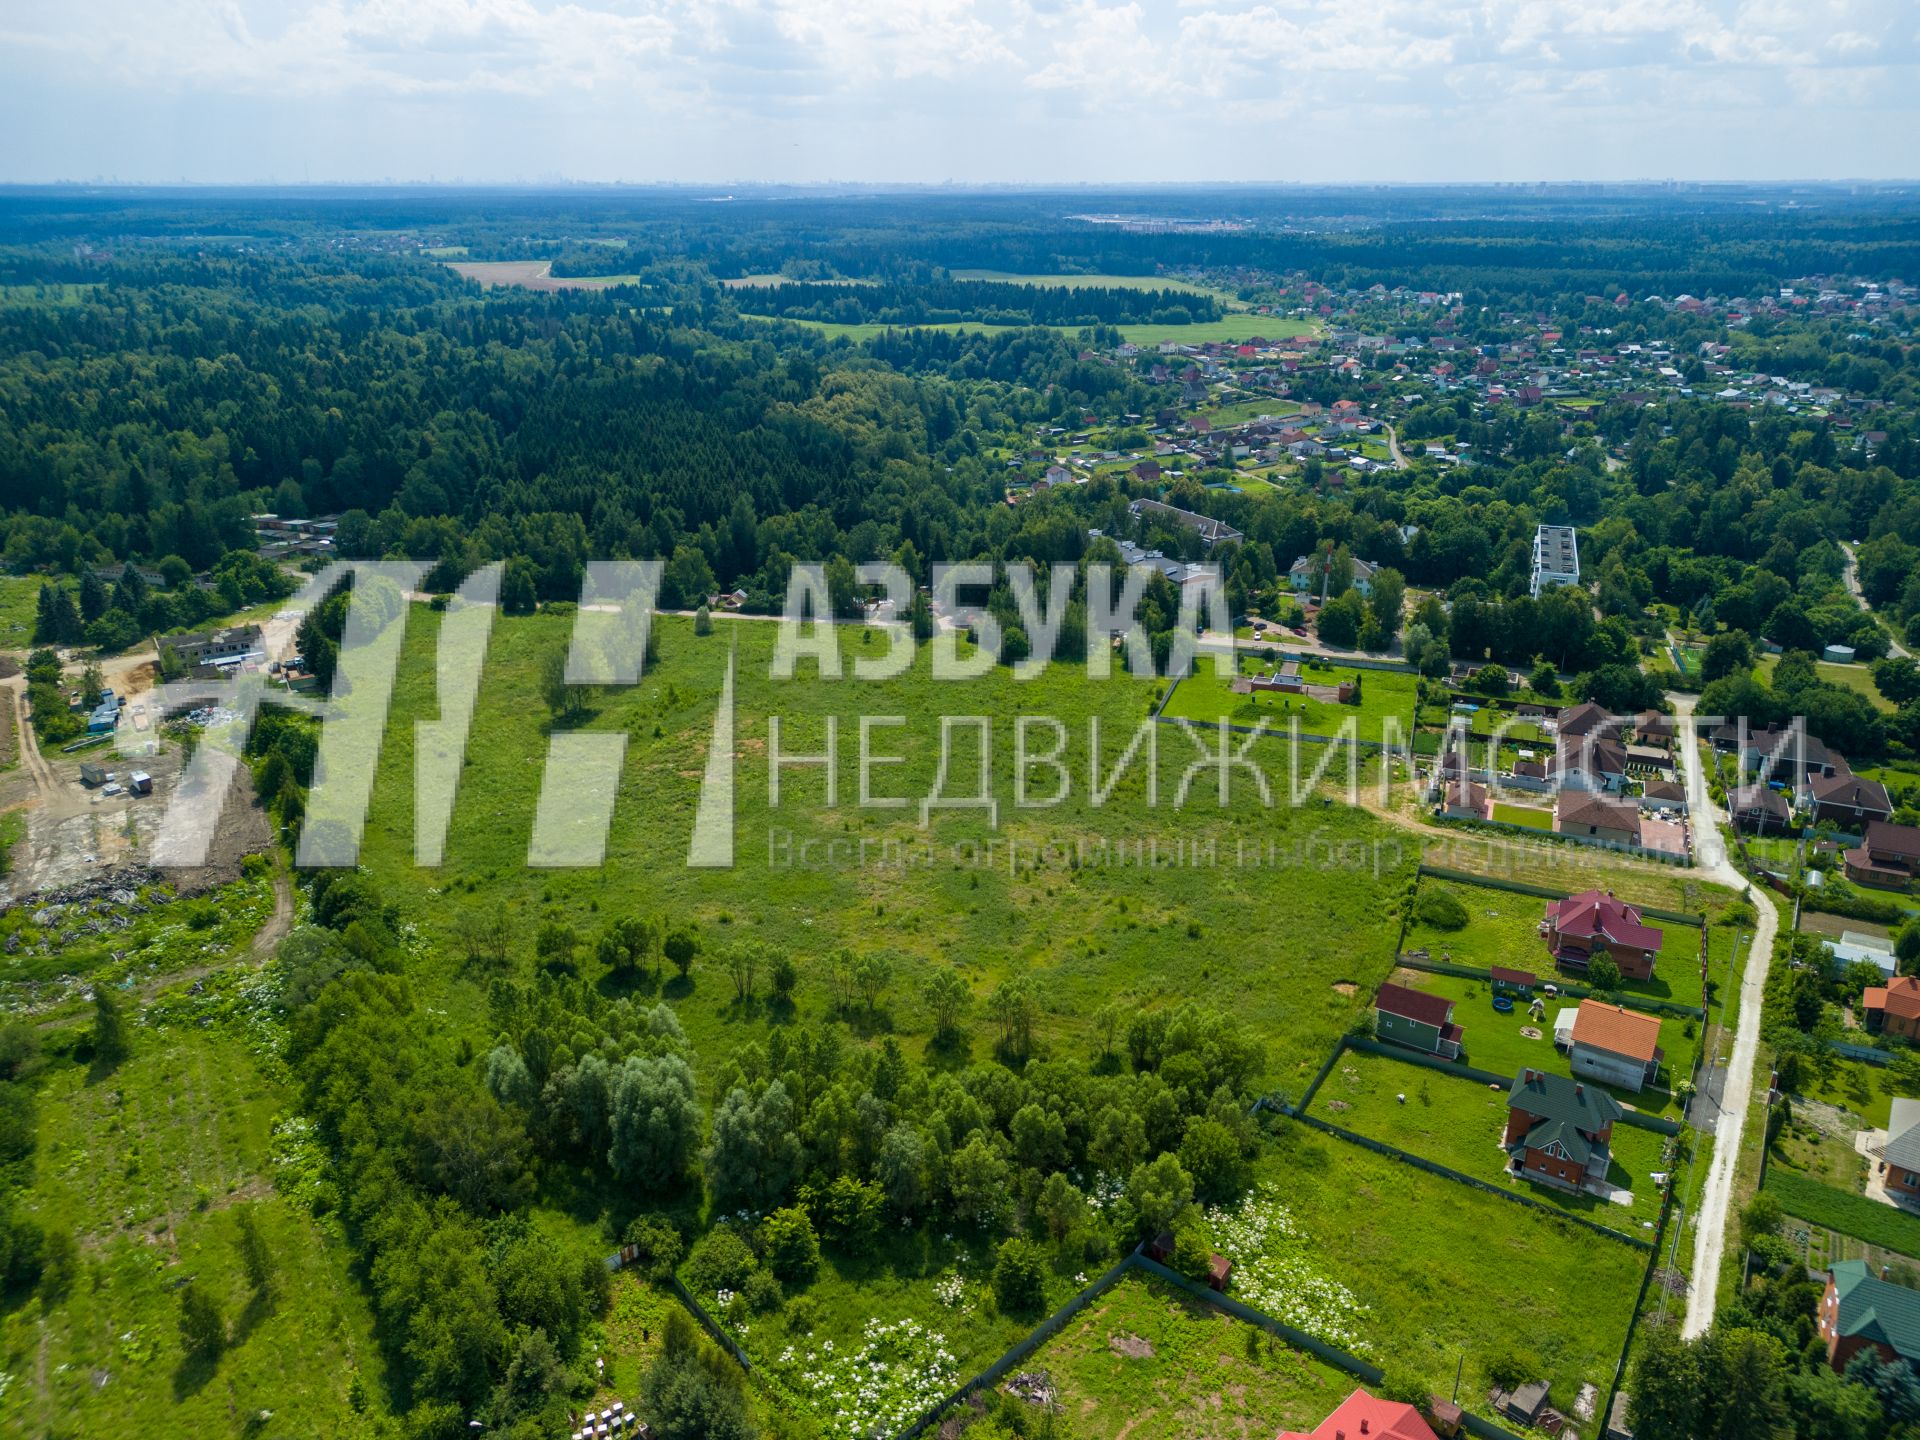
1736,1087
1852,576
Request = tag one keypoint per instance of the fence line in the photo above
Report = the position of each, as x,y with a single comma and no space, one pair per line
1546,892
1022,1348
1392,1152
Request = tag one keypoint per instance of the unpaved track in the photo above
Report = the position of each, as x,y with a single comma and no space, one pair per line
1716,1200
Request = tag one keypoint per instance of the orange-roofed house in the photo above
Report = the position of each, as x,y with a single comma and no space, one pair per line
1595,922
1362,1417
1894,1008
1616,1046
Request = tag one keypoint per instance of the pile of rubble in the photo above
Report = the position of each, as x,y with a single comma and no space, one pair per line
1033,1386
92,907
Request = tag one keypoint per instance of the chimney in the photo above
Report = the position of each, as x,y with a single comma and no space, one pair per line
1579,1089
1365,1427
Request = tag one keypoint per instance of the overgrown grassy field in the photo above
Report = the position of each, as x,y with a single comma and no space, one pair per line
1854,677
1149,1362
1089,928
1850,1214
1867,1090
1447,1272
19,604
1459,1123
148,1167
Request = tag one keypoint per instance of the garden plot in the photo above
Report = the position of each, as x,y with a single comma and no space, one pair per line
1443,1272
1150,1362
1459,1123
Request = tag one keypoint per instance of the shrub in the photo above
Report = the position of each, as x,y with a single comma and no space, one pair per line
1439,908
793,1250
1019,1281
721,1261
659,1244
763,1292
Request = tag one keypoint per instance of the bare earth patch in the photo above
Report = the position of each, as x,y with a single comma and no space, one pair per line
1131,1346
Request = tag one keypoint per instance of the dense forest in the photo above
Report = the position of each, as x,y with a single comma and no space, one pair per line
934,302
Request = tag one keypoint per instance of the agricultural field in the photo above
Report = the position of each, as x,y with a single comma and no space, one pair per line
1459,1123
534,275
1238,412
1148,1361
1385,695
1443,1272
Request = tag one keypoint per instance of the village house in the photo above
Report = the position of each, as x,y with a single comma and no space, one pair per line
1893,1008
1597,923
1586,718
1590,762
1788,755
1465,801
1362,1417
1663,794
1416,1020
1845,800
1650,727
1861,1311
1590,816
1559,1130
1887,858
1899,1169
1757,809
1615,1046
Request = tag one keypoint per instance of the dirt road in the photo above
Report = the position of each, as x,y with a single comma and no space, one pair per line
1736,1096
1852,576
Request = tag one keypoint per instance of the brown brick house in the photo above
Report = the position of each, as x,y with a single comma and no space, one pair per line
1861,1311
1888,857
1894,1008
1558,1129
1595,922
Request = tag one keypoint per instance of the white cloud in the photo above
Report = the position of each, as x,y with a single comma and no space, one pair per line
1392,84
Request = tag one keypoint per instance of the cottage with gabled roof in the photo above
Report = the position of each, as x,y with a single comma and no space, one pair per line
1894,1008
1861,1311
1417,1020
1588,815
1559,1130
1596,922
1616,1046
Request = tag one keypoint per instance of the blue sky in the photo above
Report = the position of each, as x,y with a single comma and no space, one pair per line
1025,91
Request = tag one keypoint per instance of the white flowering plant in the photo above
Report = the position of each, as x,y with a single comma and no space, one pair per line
1273,1271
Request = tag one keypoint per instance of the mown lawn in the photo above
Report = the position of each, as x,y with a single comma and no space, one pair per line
1149,1362
1449,1273
1384,695
1531,816
1503,928
1459,1123
1499,1043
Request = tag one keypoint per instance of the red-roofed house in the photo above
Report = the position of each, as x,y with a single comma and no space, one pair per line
1615,1045
1360,1414
1894,1008
1417,1020
1595,923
